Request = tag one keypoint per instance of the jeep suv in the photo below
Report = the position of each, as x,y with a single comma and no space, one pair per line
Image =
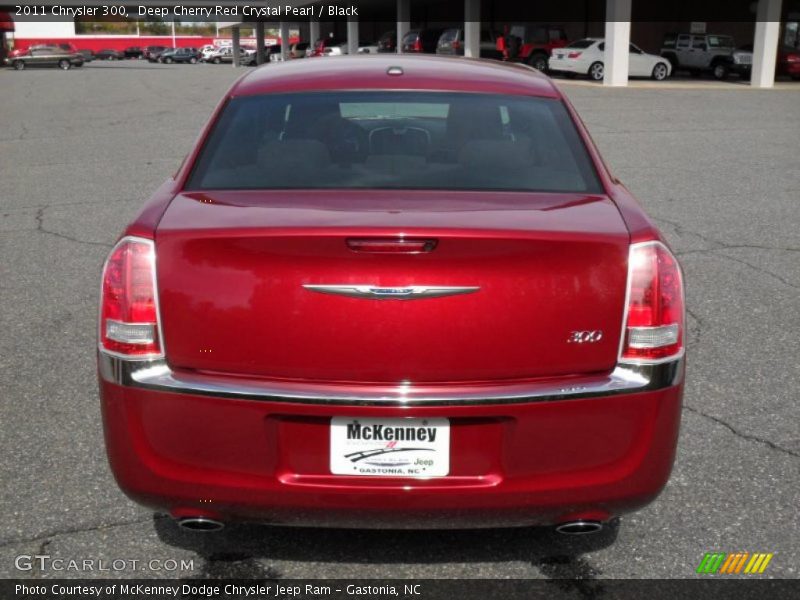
702,53
532,44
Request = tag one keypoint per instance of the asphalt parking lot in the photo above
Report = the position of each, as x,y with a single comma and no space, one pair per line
718,168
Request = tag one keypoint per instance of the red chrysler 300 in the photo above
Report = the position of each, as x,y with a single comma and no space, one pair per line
392,291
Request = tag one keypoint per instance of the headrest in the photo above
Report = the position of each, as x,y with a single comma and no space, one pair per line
489,155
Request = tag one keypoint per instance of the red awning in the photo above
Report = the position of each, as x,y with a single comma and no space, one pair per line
6,22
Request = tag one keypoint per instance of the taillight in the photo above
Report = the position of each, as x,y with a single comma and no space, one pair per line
128,302
654,316
456,44
574,54
793,58
418,45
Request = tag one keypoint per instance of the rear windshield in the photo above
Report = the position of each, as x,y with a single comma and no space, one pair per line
720,41
581,44
449,35
394,140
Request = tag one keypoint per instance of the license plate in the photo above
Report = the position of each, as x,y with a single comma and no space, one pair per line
390,447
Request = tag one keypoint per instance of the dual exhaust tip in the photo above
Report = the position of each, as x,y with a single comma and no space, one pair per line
579,527
201,524
204,524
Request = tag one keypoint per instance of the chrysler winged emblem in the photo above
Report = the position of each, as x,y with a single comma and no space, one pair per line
376,292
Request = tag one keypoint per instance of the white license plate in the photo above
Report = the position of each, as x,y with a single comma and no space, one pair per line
390,447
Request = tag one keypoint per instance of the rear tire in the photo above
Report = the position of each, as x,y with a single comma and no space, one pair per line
597,71
660,71
168,61
217,60
64,65
18,65
538,62
193,60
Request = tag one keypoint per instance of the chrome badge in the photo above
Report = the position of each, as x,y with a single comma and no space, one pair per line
410,292
590,336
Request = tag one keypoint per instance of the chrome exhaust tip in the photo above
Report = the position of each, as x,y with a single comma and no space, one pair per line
579,527
199,524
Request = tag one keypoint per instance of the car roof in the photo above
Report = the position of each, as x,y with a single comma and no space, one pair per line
423,73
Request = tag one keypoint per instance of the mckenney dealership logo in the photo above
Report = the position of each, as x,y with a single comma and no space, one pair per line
399,447
391,435
722,563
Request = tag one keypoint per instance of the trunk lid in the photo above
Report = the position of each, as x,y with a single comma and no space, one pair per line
236,272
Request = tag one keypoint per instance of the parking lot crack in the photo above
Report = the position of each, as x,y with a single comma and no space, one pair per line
682,231
718,245
47,538
41,551
760,270
42,229
741,261
745,436
697,330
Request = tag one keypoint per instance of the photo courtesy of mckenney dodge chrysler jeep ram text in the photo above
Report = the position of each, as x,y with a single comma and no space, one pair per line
392,291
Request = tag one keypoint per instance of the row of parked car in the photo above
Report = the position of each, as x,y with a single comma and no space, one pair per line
697,54
543,47
531,44
546,48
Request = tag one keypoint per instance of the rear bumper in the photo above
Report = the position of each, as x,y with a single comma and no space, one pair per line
567,65
524,462
792,68
741,69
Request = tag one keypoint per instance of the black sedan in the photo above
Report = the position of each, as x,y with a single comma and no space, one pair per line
45,56
133,52
109,54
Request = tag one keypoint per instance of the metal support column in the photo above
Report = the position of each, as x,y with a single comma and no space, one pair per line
352,36
472,28
765,44
236,46
259,42
618,37
286,42
403,21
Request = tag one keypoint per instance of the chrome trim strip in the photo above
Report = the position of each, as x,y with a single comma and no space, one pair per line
155,375
377,292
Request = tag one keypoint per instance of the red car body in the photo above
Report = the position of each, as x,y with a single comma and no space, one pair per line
789,62
550,422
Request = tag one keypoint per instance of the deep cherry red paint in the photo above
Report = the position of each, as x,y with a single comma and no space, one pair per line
230,269
546,264
516,464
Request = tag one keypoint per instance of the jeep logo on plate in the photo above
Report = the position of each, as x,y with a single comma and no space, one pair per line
589,336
